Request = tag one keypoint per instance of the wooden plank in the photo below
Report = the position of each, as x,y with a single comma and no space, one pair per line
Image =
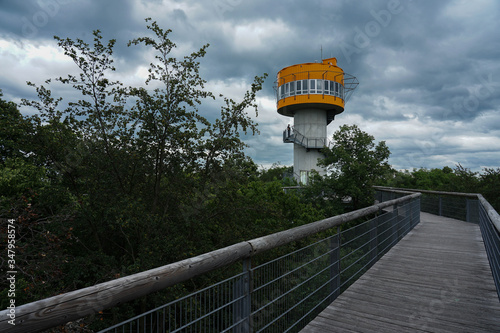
402,320
435,279
441,307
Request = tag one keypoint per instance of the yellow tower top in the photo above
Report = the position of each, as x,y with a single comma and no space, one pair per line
314,85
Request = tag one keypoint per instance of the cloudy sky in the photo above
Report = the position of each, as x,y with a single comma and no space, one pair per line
429,71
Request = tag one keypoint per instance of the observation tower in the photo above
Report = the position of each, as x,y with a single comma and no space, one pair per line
311,93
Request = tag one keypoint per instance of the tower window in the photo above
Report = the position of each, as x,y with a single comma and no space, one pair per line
319,86
312,86
304,177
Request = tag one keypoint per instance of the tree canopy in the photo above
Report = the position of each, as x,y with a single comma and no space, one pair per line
123,179
354,163
457,179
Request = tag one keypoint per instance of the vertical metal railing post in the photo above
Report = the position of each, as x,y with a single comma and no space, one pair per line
408,217
374,223
247,307
412,212
467,210
395,225
335,268
243,308
415,212
419,208
440,206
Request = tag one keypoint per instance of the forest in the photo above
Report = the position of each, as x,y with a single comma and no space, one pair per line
456,179
126,179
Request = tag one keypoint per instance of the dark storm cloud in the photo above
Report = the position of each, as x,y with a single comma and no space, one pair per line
426,68
435,69
15,15
38,20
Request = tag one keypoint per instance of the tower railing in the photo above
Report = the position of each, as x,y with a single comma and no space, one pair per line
286,278
349,84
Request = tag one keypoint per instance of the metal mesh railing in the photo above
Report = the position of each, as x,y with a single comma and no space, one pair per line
217,308
460,208
489,222
285,293
287,288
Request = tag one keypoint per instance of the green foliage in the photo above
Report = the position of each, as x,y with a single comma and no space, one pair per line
18,176
354,164
459,179
446,179
13,129
124,179
279,172
489,186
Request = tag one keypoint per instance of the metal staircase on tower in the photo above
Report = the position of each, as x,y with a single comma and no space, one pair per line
293,136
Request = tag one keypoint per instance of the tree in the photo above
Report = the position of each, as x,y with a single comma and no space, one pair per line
14,131
31,194
489,186
123,179
279,172
137,177
465,180
168,116
354,163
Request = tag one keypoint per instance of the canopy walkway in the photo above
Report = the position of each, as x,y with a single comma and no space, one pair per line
437,278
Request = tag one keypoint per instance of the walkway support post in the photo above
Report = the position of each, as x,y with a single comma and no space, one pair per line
395,224
374,239
242,309
335,268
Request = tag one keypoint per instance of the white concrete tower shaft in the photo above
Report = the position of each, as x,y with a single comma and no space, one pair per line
312,124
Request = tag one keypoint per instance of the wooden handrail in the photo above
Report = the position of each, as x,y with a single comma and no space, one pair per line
411,190
492,213
60,309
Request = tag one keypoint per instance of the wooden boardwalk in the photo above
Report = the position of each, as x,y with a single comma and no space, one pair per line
436,279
